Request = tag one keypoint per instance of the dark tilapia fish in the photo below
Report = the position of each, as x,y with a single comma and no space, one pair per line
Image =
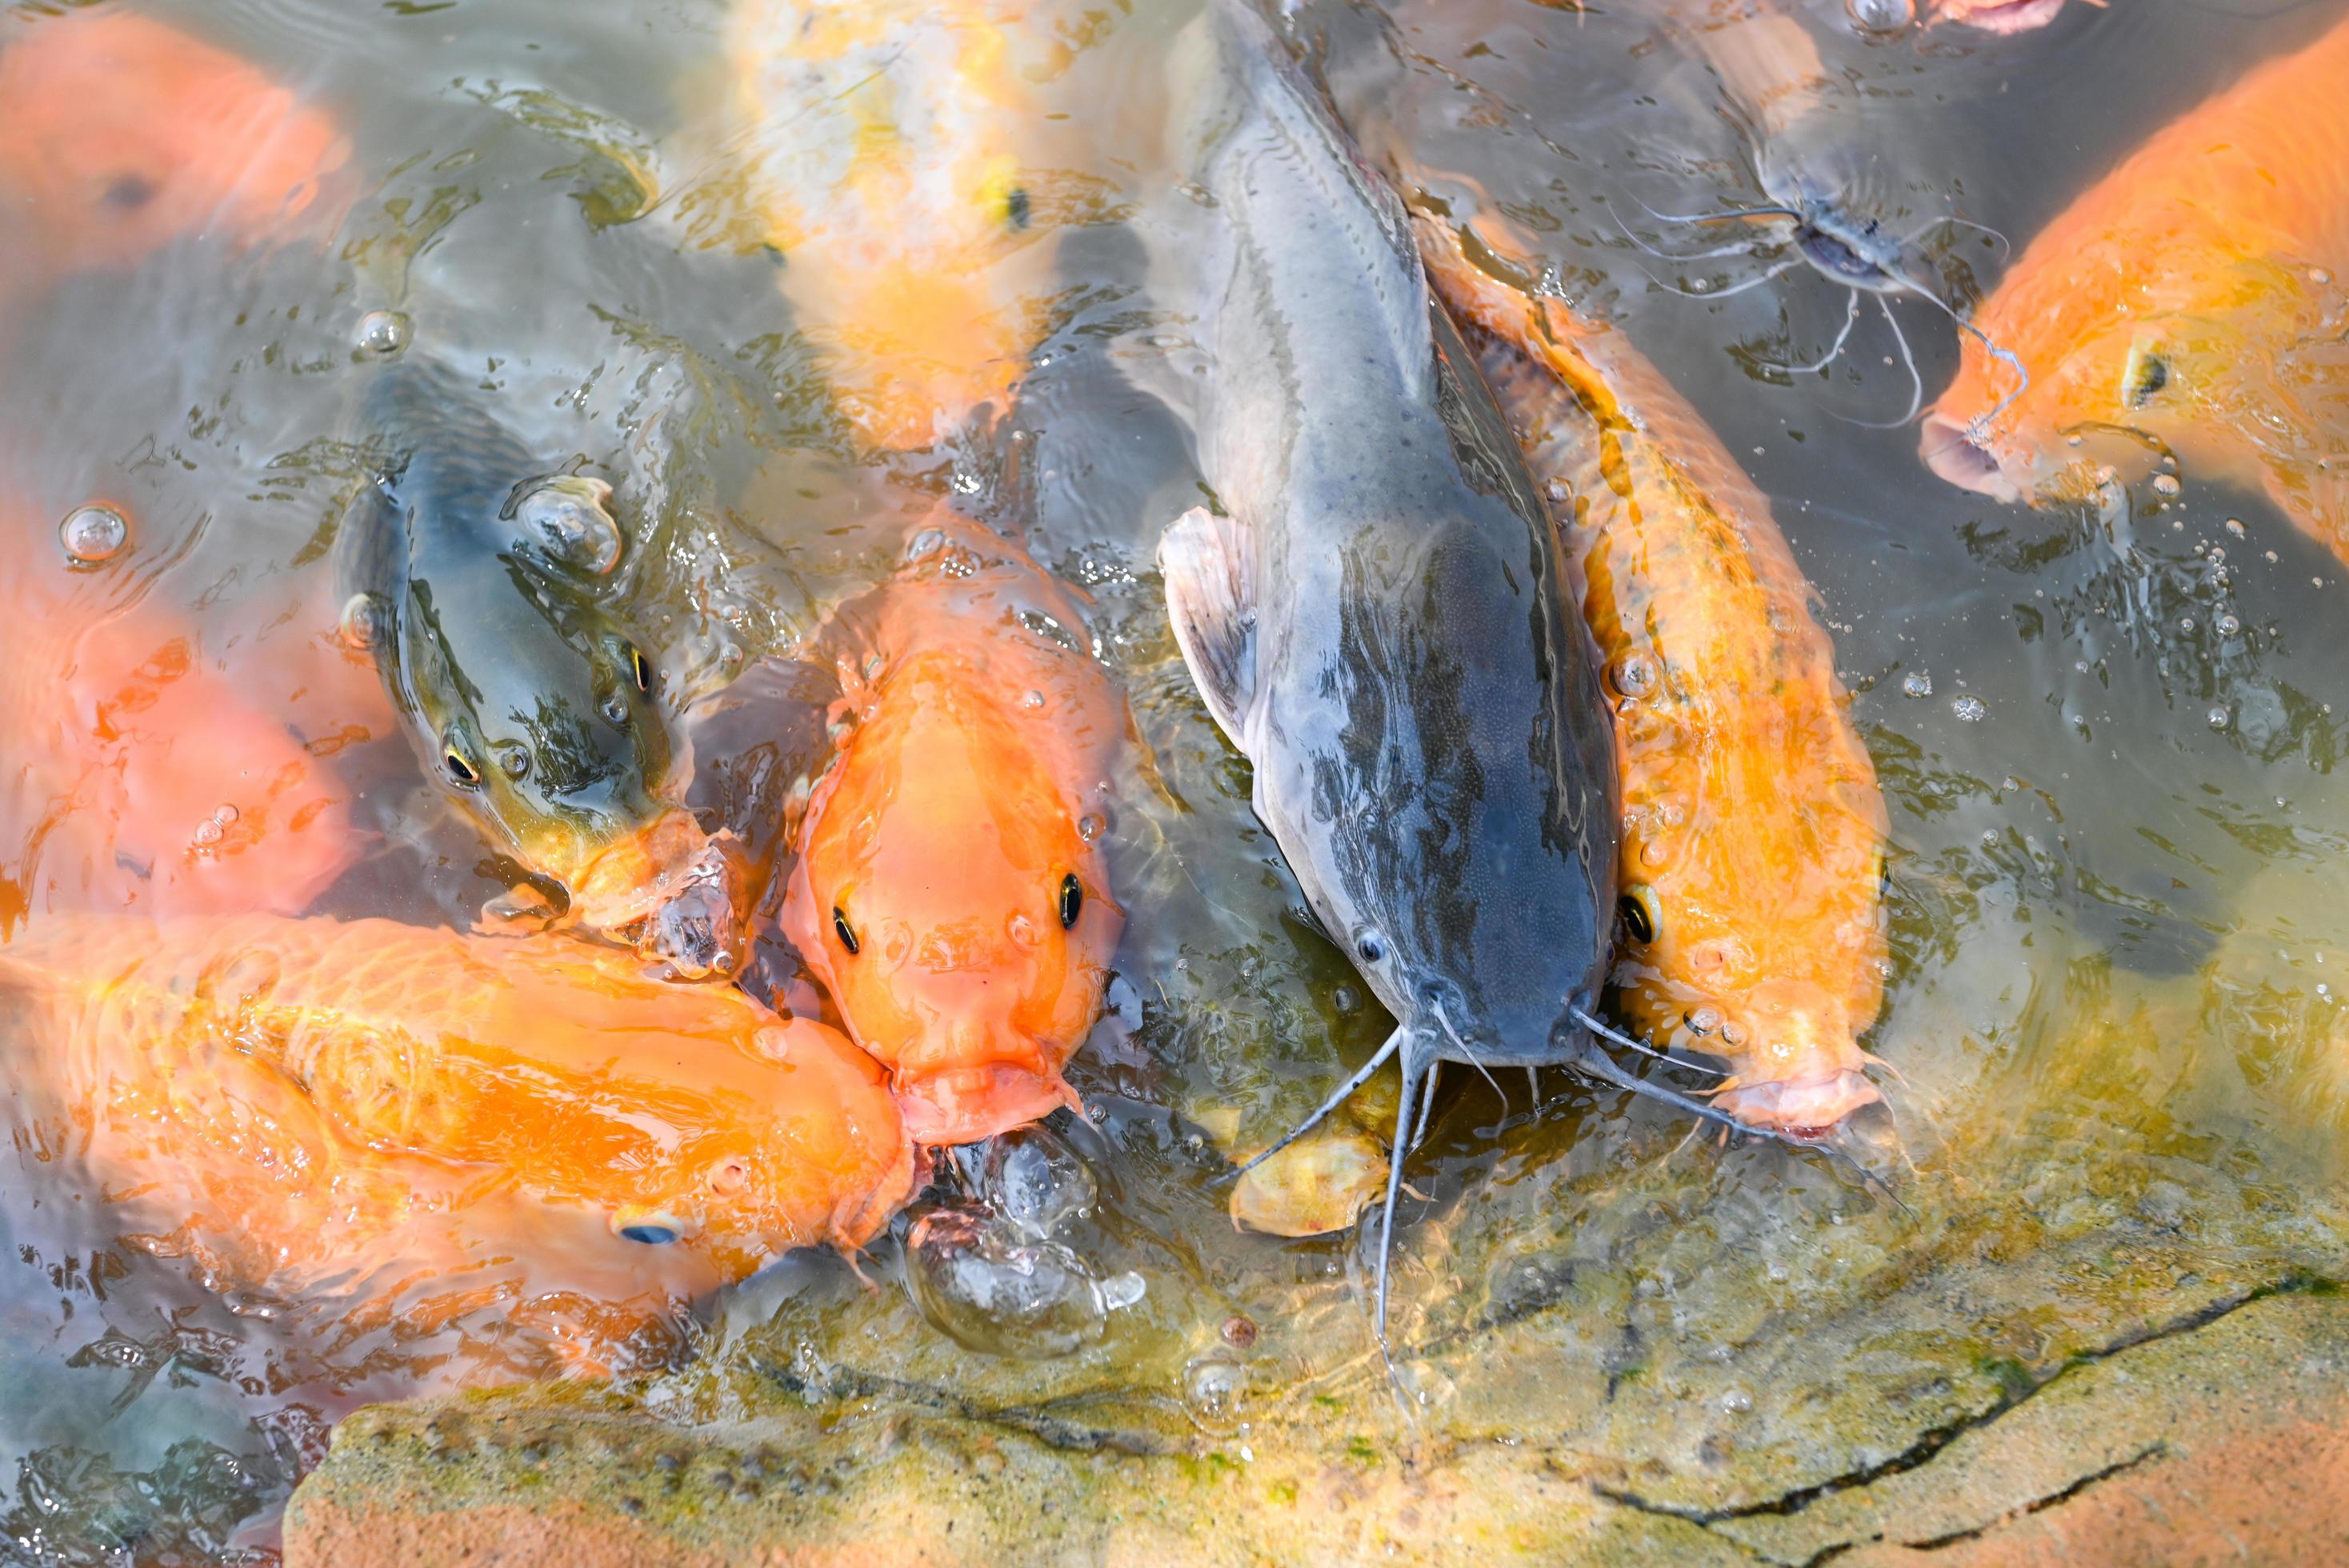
477,577
1382,619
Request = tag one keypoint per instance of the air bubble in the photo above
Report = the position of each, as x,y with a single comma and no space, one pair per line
1032,699
2217,718
1635,676
1037,1183
991,1290
2235,526
94,533
1917,684
1881,16
361,623
568,517
2164,484
2228,625
1091,825
1704,1020
383,332
1214,1394
1969,709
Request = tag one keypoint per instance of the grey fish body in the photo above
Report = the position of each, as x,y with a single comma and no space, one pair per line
527,700
1382,621
1421,704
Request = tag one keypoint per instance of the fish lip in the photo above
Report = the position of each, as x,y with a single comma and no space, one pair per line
1808,1108
2009,17
966,1104
1951,451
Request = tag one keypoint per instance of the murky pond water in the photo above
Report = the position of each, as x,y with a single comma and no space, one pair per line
2106,734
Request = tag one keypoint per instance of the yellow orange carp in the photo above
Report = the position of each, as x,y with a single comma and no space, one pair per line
357,1112
2189,300
120,134
1752,849
887,164
951,892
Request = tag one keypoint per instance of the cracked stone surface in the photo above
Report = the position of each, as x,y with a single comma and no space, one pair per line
2105,1324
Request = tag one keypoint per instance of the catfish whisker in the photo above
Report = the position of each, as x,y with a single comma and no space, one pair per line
1750,283
1743,248
1916,381
1345,1091
1723,217
1850,320
2006,357
1963,223
1645,1049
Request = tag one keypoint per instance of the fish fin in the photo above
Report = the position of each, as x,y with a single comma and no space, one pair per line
1209,565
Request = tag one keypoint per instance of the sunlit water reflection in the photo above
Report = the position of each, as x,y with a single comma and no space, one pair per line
2106,735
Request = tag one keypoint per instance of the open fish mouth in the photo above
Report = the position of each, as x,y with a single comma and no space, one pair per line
1953,452
2014,16
1807,1108
672,892
963,1105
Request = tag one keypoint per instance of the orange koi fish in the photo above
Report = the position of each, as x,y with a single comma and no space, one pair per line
951,893
120,134
355,1113
1752,847
886,166
144,772
2189,300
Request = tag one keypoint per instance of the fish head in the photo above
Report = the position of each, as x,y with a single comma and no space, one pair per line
120,134
1802,1070
2096,372
543,717
916,248
951,899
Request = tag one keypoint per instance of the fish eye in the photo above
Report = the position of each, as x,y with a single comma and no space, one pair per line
461,773
128,192
1641,918
1369,948
651,1230
840,928
2146,372
1015,208
640,667
1072,900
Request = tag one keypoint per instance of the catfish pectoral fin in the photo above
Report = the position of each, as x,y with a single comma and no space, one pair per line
1209,564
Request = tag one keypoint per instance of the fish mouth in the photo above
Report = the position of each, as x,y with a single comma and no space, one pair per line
1807,1108
672,892
1953,452
963,1105
2014,16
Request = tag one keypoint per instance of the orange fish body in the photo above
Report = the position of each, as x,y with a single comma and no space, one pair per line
886,165
1753,830
120,134
951,893
352,1113
145,772
2192,297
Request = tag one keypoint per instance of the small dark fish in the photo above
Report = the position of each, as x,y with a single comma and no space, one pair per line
477,579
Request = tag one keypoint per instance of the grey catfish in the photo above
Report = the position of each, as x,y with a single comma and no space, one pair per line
476,578
1381,618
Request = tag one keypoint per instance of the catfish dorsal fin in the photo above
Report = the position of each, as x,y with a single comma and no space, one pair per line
1209,565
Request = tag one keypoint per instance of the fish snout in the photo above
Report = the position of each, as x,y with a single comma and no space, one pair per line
1807,1108
1954,453
990,1079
